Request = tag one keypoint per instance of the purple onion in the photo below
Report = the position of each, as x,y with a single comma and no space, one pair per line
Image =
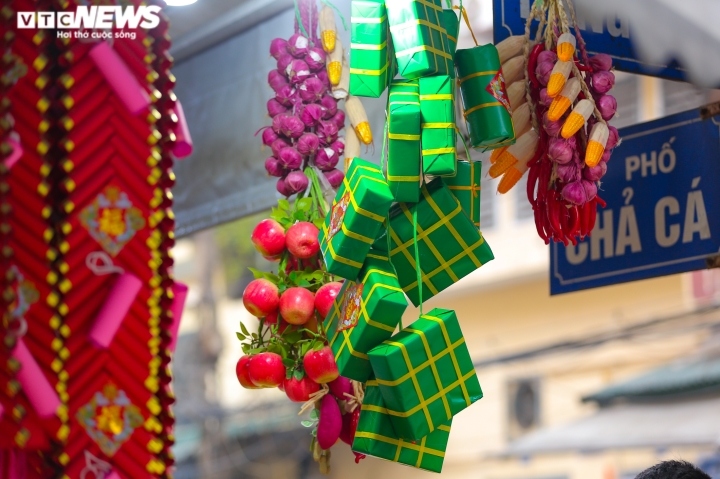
543,71
552,128
308,144
606,155
596,172
339,146
311,90
323,77
298,45
290,158
276,80
601,62
286,96
330,105
602,81
326,159
268,136
274,167
328,132
274,108
591,189
561,151
607,104
547,56
339,119
282,187
315,59
278,145
569,172
277,47
284,61
311,114
574,193
291,126
298,71
296,182
613,138
545,100
334,177
277,124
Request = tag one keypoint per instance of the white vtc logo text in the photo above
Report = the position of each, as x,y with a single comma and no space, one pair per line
92,17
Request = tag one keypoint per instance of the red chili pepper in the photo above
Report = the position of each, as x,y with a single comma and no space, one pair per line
553,214
574,211
601,202
532,63
585,218
592,217
540,224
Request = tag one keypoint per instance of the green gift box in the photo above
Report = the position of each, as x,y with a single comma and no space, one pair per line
465,187
437,108
450,21
450,246
364,314
369,50
425,374
486,106
404,122
352,224
376,437
420,41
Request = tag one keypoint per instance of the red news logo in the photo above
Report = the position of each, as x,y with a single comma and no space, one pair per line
92,17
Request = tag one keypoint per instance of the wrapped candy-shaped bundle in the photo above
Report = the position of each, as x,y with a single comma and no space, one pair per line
465,187
419,39
485,101
437,108
369,49
449,244
404,123
375,436
359,209
425,374
364,314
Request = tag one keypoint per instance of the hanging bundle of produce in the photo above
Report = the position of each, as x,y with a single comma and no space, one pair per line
560,109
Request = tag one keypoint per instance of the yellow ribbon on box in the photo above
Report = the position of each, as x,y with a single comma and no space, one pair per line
424,23
368,20
360,71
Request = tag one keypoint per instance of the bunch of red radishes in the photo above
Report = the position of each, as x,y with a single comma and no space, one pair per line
306,120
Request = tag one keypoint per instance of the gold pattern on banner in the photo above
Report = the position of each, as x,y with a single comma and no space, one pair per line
112,220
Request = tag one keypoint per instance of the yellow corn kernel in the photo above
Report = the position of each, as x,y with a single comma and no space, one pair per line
328,40
364,132
496,154
334,70
517,155
577,118
596,144
358,118
566,47
328,35
558,77
504,162
562,102
509,179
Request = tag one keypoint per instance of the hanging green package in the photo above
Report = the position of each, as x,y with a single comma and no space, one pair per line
404,122
369,49
420,41
465,187
376,437
450,21
364,314
437,106
486,106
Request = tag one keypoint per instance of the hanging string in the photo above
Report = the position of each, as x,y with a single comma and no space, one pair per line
337,10
418,272
464,14
299,22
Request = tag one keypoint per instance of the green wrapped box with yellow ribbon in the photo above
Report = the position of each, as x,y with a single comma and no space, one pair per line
465,187
486,105
354,220
425,374
450,246
420,41
451,23
376,437
364,314
404,122
437,108
369,49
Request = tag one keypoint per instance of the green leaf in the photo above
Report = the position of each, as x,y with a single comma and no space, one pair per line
298,375
319,223
314,432
293,337
240,336
318,346
304,204
256,351
288,363
244,330
284,205
273,278
307,423
304,349
314,414
245,348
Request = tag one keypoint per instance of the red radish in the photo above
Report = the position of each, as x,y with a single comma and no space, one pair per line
241,370
340,386
330,423
261,297
297,305
266,370
349,426
300,390
269,238
325,297
302,240
320,365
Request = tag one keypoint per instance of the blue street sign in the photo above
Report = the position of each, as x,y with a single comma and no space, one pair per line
603,35
663,207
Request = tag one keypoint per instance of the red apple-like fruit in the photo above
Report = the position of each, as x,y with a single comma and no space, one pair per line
269,238
300,390
241,369
349,426
324,298
272,318
261,297
302,240
266,370
297,305
320,365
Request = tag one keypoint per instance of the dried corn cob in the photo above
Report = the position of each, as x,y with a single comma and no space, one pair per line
358,119
566,47
352,147
521,119
328,31
334,64
526,146
596,144
510,48
342,89
516,94
558,77
564,100
513,70
577,118
522,150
